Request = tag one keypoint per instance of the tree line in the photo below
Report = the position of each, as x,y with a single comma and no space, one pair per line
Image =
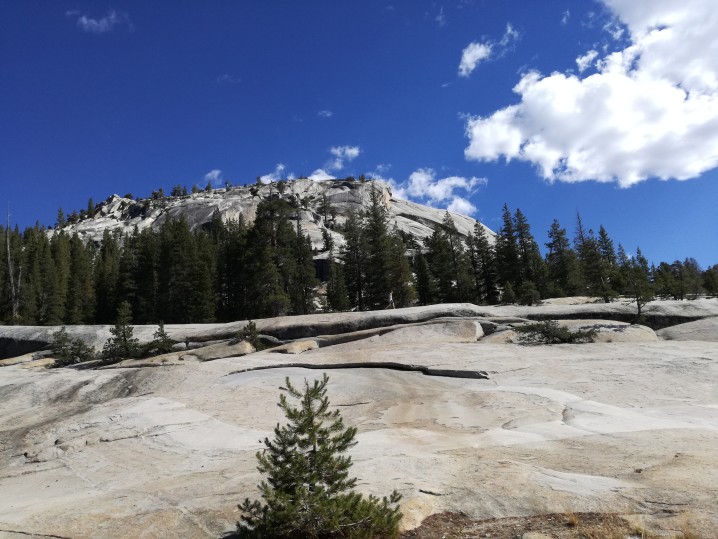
514,270
236,270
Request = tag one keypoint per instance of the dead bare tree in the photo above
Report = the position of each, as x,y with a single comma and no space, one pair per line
14,283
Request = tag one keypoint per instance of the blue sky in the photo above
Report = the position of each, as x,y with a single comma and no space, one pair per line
609,108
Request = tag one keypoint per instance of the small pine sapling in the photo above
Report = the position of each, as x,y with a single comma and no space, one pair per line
122,344
308,491
250,334
161,342
69,351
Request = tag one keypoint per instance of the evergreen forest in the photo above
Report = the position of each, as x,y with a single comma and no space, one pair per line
238,271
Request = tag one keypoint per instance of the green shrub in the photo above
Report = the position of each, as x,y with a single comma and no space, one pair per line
528,295
122,344
161,343
508,295
551,332
308,492
250,334
69,351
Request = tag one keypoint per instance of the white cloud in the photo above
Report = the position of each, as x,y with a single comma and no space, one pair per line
510,35
584,61
103,25
651,110
341,155
275,176
566,16
345,152
477,52
214,177
472,55
321,175
441,17
462,206
325,113
226,78
383,168
424,186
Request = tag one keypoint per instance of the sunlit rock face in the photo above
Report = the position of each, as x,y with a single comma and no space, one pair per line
449,412
307,196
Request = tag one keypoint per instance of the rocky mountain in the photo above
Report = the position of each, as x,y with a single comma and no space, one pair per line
344,197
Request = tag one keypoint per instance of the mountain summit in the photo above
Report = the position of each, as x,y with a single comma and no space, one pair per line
320,206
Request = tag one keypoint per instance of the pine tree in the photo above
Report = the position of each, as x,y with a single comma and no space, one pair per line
303,278
161,341
562,263
122,344
80,303
270,261
400,277
710,280
532,265
425,282
482,259
636,279
60,247
605,246
308,492
232,269
507,256
107,269
60,218
448,263
376,232
337,294
145,278
355,261
508,295
68,351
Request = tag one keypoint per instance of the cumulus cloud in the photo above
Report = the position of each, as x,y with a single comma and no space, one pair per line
342,154
565,18
651,110
583,62
462,206
102,25
278,174
321,175
472,55
325,113
450,192
214,177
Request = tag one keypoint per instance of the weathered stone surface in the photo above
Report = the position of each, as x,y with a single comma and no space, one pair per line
18,340
151,452
700,330
535,535
432,332
296,347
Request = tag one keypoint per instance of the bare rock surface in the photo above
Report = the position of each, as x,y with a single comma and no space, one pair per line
700,330
124,214
297,347
18,340
152,452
